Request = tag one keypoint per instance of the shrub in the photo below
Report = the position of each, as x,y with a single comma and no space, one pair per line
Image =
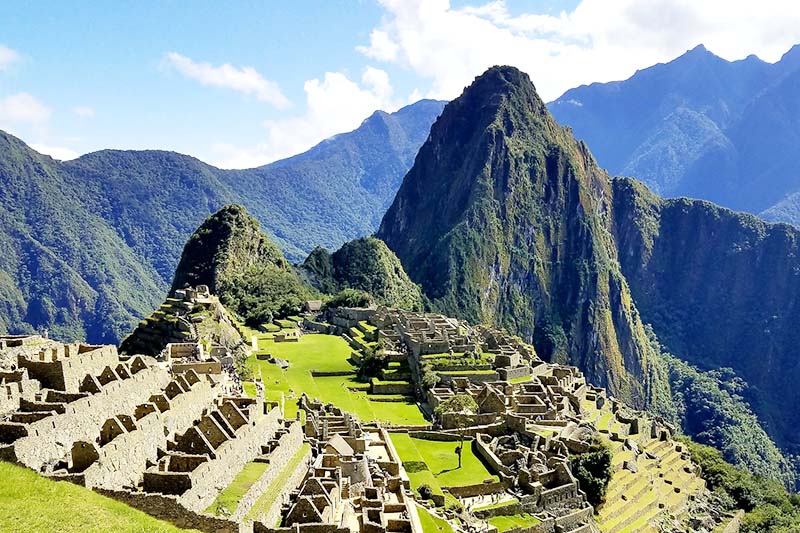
350,298
593,471
425,491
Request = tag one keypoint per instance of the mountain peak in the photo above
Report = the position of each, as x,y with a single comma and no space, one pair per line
792,57
226,243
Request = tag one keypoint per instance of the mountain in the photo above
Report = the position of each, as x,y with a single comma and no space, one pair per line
505,218
90,245
721,289
232,256
699,126
62,267
364,264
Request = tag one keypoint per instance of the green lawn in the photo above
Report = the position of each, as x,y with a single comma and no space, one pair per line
266,500
431,522
31,503
442,462
228,499
326,353
504,523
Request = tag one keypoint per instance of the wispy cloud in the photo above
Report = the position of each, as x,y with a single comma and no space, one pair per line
334,105
83,111
56,152
7,57
245,80
22,108
600,40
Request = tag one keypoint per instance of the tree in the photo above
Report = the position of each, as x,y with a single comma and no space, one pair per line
593,471
463,408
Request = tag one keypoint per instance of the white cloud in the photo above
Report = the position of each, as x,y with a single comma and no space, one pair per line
245,80
7,57
334,105
22,108
601,40
83,111
56,152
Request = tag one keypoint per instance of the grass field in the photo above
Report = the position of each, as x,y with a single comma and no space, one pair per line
228,499
442,462
432,523
504,523
324,353
31,503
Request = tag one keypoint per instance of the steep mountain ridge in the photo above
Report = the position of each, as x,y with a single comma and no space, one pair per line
721,289
91,244
699,126
505,218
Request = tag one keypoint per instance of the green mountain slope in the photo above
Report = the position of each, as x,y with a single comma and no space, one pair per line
365,264
232,256
505,218
90,245
62,268
721,289
699,126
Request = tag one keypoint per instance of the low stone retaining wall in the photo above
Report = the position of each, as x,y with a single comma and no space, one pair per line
384,387
168,509
437,435
317,327
480,489
500,510
322,374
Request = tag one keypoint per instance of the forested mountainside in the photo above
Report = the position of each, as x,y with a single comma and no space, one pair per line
91,244
506,218
721,289
700,126
367,265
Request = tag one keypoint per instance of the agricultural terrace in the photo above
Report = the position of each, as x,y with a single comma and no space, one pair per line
325,353
432,523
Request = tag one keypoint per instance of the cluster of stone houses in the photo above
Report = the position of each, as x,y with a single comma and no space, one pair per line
167,434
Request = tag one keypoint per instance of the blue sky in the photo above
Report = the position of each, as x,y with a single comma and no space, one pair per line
239,84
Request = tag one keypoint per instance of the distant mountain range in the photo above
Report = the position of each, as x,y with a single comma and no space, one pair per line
88,247
702,127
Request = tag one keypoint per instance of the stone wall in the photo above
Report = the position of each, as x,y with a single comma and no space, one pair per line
168,509
185,408
123,460
391,387
66,373
50,439
317,327
288,445
211,477
514,373
479,489
483,450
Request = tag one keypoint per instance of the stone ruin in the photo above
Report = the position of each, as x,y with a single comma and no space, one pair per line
162,436
167,434
356,482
